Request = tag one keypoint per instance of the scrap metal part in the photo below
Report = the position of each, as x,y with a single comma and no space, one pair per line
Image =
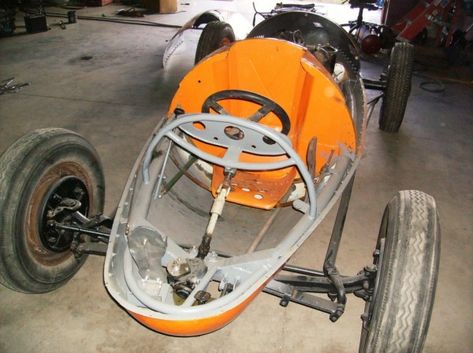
9,86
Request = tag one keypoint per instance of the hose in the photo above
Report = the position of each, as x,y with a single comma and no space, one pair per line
431,84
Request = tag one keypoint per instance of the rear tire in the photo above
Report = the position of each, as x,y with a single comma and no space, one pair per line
47,164
397,315
214,36
398,87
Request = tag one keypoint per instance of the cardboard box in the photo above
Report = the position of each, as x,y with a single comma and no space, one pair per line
167,6
161,6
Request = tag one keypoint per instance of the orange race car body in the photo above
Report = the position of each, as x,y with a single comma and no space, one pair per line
279,162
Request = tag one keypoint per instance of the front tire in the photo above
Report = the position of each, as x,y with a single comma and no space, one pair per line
398,87
397,315
40,167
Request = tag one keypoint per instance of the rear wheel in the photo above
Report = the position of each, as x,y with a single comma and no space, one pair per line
42,173
398,87
397,315
214,36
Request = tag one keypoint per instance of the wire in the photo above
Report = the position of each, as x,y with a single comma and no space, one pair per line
432,85
115,20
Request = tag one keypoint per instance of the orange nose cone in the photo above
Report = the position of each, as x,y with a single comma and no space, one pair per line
194,327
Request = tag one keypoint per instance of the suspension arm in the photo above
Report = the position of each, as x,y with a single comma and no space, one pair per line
379,85
96,234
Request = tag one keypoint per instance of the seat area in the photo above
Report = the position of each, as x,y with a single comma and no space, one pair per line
288,75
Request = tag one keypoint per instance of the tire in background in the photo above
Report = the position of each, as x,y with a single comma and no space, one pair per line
214,36
398,87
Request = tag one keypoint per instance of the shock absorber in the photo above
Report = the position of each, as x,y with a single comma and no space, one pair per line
215,212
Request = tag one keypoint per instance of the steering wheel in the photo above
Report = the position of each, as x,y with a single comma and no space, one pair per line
267,106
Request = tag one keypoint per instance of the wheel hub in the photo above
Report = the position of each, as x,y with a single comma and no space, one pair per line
69,194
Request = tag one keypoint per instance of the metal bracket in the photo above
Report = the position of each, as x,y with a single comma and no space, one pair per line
91,248
288,294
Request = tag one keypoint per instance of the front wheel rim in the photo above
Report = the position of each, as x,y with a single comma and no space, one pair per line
41,249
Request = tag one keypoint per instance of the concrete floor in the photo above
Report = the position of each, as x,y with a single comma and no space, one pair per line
117,97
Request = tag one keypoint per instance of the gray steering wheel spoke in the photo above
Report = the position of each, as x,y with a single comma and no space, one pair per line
233,153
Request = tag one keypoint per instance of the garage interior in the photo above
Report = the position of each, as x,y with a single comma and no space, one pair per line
106,81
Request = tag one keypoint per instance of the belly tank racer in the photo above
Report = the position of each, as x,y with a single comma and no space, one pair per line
261,140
